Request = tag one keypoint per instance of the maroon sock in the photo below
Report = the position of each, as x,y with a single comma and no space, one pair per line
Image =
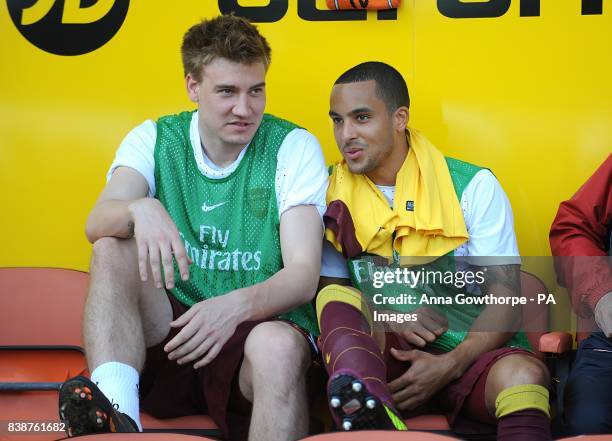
524,425
338,314
347,346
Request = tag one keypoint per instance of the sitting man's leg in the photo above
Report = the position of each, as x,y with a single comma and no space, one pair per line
273,378
588,402
516,393
358,394
122,317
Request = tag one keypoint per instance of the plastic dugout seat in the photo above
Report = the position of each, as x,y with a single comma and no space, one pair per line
379,435
436,423
535,316
41,316
547,343
588,438
30,436
143,437
553,347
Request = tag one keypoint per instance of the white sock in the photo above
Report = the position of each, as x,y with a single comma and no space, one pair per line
119,383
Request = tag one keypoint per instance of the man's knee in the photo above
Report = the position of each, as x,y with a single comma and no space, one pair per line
518,369
513,371
114,272
111,252
277,348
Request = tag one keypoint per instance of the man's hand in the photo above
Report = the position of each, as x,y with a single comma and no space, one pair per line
157,238
430,325
207,326
603,314
426,375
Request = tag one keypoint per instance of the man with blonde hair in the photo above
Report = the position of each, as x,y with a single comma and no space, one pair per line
206,255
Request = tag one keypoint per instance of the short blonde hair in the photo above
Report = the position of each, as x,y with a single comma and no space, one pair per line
226,36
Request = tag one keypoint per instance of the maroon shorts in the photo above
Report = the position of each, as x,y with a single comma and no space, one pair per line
462,400
170,390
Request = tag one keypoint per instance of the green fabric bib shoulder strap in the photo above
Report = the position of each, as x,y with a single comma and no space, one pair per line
230,226
461,173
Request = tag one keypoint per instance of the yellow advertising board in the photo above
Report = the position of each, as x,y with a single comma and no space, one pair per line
520,87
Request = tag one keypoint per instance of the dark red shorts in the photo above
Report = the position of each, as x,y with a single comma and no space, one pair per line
463,400
170,390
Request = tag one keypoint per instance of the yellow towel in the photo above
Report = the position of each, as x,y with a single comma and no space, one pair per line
426,219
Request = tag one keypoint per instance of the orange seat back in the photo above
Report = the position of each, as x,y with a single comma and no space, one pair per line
41,345
535,317
41,306
143,437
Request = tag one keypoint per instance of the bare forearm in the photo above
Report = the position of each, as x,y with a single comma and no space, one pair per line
295,284
496,324
110,218
301,237
477,343
289,288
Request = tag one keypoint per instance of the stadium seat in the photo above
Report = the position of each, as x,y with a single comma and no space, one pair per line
436,423
143,437
41,346
379,435
607,437
535,316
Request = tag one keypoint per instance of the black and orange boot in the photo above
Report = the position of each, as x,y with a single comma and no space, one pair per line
359,398
354,407
85,409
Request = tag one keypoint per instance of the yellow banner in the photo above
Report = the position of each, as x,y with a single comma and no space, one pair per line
520,87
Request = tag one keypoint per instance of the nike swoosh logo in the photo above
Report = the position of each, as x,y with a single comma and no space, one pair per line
328,357
207,208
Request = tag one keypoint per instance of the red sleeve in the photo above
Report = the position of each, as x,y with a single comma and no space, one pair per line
582,228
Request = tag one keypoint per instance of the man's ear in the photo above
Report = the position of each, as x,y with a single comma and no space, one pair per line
400,118
193,88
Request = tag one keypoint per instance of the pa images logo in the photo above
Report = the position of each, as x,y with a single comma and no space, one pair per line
68,27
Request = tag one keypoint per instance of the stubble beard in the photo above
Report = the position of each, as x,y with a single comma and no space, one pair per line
362,169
